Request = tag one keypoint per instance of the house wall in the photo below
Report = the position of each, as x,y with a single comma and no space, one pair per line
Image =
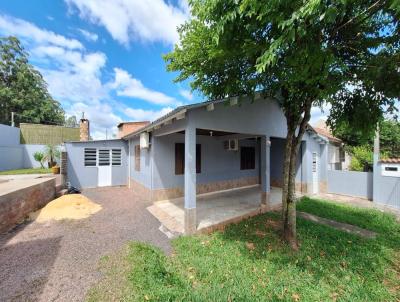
87,177
277,159
263,117
359,184
216,163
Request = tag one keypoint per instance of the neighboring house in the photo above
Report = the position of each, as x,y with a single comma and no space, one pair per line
126,128
338,158
201,148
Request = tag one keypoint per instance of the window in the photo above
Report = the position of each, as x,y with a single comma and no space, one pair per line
180,158
137,157
116,157
247,158
104,157
90,156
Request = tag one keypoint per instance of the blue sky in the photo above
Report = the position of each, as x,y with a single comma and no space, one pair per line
102,57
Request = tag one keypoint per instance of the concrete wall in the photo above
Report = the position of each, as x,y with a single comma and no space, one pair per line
87,177
9,135
386,189
11,157
359,184
18,199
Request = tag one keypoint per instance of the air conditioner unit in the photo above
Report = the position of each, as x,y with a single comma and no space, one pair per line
231,145
144,140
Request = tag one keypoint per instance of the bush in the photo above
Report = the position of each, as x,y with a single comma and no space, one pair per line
362,158
39,157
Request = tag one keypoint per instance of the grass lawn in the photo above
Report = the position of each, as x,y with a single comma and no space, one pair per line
26,171
249,262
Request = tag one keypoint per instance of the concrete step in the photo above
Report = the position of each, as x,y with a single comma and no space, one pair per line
61,192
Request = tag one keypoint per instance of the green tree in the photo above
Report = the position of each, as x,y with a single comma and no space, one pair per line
301,52
389,137
22,88
71,122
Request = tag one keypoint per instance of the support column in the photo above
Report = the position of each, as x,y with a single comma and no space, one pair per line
265,171
190,180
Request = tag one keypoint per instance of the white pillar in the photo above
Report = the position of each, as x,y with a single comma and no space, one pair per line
265,170
375,171
190,180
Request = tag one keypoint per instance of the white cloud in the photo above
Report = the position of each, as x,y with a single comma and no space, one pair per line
187,94
74,77
146,115
319,113
28,31
126,20
126,85
101,116
88,35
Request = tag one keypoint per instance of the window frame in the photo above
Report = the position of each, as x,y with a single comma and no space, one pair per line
95,159
180,151
137,158
112,157
244,162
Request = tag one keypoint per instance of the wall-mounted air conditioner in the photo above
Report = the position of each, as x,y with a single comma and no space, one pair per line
144,140
231,145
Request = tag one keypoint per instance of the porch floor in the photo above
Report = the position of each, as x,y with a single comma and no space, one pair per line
213,208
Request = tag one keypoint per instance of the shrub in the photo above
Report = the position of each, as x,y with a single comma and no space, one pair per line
39,157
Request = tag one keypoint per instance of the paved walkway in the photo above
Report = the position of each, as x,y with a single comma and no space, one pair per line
357,202
345,227
58,260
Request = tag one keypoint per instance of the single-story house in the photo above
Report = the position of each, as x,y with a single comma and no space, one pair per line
201,148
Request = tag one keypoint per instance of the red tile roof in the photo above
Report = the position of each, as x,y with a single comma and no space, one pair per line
390,160
327,134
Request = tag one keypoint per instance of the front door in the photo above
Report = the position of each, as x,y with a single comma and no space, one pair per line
104,168
315,172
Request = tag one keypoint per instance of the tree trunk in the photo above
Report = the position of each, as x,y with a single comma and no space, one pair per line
292,147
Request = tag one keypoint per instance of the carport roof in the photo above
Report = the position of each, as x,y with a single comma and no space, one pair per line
183,109
176,112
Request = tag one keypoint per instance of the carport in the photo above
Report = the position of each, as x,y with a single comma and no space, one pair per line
214,210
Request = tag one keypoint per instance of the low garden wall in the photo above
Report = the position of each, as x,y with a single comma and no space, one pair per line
359,184
19,198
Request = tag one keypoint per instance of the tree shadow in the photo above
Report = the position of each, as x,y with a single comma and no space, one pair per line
323,251
25,267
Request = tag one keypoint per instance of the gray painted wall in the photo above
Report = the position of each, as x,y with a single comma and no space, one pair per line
87,177
216,163
11,157
144,175
10,136
386,189
350,183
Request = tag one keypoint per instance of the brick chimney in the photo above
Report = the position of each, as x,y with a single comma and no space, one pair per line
84,129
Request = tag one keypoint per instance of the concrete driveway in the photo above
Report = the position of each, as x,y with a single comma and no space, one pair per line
58,260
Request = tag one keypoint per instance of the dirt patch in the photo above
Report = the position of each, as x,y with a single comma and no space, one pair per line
73,206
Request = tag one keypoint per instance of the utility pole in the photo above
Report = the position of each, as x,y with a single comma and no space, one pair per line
12,119
375,171
106,133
